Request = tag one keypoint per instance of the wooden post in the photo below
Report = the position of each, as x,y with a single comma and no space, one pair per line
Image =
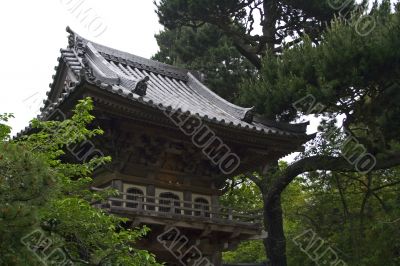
230,216
187,196
214,207
150,192
216,258
140,203
172,210
118,185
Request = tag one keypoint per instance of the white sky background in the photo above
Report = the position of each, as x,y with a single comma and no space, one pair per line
34,31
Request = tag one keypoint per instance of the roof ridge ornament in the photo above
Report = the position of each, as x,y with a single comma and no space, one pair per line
71,37
75,42
249,115
141,86
78,44
105,72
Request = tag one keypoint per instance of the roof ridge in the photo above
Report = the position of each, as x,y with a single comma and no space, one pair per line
77,41
103,63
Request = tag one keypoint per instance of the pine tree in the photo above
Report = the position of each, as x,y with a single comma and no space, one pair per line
300,56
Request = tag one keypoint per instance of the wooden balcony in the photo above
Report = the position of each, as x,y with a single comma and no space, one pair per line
156,210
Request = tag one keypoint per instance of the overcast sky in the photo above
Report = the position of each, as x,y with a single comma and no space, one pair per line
34,31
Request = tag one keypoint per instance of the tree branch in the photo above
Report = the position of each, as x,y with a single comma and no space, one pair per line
322,162
252,57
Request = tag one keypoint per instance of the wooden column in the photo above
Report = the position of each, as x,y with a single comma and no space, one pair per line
151,192
215,206
216,258
187,196
118,185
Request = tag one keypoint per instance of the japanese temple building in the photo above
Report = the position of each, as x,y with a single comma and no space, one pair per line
173,144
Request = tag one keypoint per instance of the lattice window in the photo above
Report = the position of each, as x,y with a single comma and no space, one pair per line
169,198
203,205
134,194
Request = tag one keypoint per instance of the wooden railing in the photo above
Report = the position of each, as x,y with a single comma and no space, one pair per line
166,207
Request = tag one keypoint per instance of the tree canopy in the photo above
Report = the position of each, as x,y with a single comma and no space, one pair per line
47,210
312,59
254,26
206,49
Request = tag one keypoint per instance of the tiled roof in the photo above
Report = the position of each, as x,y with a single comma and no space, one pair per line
159,85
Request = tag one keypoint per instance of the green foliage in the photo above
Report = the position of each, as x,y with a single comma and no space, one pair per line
356,215
208,50
26,184
94,235
247,198
40,191
364,88
5,130
358,218
254,27
223,40
243,197
237,17
247,252
347,73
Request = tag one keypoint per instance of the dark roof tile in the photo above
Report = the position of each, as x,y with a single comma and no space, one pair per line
167,87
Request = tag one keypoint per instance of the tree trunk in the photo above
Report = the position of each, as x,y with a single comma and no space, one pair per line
275,243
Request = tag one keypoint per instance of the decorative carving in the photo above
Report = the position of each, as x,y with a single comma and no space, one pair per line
71,41
68,84
71,38
148,65
151,150
141,86
131,149
249,115
87,71
171,162
79,46
167,178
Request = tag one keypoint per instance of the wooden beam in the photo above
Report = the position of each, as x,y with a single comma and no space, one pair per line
236,233
207,230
